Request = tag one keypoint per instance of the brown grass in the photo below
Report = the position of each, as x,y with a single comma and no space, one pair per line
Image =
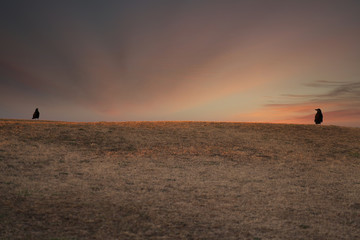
178,180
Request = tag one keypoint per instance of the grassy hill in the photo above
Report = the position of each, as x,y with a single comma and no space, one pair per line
178,180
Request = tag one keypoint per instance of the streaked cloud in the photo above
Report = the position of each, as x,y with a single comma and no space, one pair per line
340,105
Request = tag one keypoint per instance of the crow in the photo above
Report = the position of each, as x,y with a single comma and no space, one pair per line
36,114
318,116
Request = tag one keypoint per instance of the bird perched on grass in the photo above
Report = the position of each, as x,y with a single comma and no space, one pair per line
36,114
318,116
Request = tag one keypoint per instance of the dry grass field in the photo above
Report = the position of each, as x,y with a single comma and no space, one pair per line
178,180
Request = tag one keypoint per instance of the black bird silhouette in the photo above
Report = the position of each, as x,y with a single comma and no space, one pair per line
36,114
318,116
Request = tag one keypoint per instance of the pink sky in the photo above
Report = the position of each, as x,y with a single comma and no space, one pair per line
257,61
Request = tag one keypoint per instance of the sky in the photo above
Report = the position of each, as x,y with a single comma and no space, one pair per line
198,60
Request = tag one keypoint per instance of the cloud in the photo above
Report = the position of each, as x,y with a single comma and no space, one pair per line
344,93
340,104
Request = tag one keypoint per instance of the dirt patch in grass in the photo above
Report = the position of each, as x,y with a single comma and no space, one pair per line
178,180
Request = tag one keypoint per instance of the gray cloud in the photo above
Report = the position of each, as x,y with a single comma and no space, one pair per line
340,103
335,90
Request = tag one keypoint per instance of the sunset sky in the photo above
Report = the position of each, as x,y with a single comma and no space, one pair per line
197,60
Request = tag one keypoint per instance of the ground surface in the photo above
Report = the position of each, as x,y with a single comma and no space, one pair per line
178,180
